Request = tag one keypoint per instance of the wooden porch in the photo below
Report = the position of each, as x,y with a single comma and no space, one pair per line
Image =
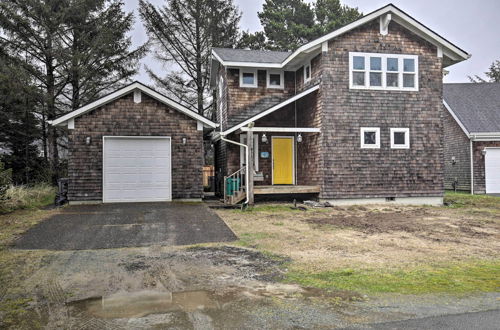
285,189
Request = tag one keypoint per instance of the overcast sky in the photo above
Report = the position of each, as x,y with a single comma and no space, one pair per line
472,25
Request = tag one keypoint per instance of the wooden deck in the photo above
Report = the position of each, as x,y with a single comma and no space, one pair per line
285,189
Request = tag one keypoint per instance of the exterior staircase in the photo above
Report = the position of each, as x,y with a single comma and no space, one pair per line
234,187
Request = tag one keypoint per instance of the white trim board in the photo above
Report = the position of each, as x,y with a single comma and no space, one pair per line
397,15
462,126
126,90
283,129
271,110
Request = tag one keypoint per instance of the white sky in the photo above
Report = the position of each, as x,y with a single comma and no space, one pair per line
472,25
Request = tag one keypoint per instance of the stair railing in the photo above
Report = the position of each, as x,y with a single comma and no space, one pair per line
234,183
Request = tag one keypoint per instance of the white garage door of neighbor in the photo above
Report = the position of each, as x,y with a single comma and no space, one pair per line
492,170
137,169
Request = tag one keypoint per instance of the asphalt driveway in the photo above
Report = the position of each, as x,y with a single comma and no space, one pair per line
104,226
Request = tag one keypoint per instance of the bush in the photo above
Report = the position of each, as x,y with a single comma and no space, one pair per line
5,180
24,197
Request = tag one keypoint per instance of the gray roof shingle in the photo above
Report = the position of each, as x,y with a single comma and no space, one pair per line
245,55
477,105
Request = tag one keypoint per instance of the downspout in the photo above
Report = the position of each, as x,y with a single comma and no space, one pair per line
471,167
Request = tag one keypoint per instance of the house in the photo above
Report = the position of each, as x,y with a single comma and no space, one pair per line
355,116
134,145
472,122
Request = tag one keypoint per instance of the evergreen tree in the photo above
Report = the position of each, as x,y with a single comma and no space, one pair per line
493,74
182,33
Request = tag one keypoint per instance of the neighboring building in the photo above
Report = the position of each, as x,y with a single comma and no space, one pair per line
354,116
134,145
472,121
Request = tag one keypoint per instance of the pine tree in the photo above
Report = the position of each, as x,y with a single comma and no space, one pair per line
182,33
493,74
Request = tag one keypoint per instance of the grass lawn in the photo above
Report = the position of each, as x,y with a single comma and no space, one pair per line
382,248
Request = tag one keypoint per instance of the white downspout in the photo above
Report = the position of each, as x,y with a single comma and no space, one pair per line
247,174
471,167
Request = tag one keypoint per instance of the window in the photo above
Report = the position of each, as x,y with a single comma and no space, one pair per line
307,72
275,79
400,138
248,78
370,137
243,139
383,71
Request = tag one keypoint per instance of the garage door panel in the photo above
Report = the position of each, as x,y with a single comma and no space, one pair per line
492,170
137,169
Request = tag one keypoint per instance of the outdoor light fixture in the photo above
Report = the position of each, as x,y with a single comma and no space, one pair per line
299,138
184,140
453,160
264,138
88,140
483,152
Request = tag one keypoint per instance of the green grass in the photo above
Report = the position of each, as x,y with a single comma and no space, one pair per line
463,199
456,278
24,197
250,239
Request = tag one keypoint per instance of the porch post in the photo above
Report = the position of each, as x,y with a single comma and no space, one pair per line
250,166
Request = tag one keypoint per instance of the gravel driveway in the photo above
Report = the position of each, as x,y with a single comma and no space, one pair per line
106,226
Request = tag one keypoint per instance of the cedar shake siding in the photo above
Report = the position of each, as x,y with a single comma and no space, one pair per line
479,172
123,117
456,145
352,172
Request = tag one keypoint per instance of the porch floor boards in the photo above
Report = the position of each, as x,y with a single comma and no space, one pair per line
285,189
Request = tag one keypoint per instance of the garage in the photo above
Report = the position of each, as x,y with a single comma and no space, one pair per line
137,169
492,170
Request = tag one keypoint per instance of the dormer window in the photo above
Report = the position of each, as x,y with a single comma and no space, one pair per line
275,79
248,78
383,71
307,72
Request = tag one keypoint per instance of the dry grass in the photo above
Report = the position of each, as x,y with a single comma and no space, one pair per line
24,197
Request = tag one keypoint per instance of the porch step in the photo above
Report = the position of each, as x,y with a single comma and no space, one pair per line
237,197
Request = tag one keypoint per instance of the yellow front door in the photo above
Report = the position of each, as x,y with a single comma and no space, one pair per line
282,160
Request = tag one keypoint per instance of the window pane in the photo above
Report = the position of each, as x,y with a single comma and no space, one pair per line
375,63
358,62
409,65
248,78
392,80
375,79
392,64
399,138
275,79
408,80
358,78
308,72
370,138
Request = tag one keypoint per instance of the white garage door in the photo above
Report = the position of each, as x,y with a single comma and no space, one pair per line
136,169
492,170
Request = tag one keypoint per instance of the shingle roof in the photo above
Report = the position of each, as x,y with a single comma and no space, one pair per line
245,55
477,105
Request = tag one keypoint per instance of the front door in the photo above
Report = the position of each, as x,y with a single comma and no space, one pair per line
282,150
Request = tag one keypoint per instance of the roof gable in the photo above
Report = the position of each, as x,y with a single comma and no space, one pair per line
476,106
127,90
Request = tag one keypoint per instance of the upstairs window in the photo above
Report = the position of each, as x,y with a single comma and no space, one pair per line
383,71
248,78
370,137
307,72
275,79
400,138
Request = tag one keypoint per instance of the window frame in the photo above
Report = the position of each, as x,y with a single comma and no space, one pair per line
308,64
384,57
243,137
282,79
405,130
255,75
377,137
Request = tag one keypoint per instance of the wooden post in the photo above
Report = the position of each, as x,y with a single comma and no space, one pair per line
250,166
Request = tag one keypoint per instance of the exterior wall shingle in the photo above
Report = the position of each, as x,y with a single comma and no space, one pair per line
123,117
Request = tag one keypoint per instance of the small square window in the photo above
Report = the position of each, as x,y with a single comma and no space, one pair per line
375,79
248,78
408,80
392,64
409,65
275,79
376,63
358,62
358,78
307,72
370,137
392,80
400,138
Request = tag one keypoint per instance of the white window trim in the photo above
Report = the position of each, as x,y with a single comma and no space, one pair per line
384,57
377,137
282,80
407,138
308,64
256,78
255,150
